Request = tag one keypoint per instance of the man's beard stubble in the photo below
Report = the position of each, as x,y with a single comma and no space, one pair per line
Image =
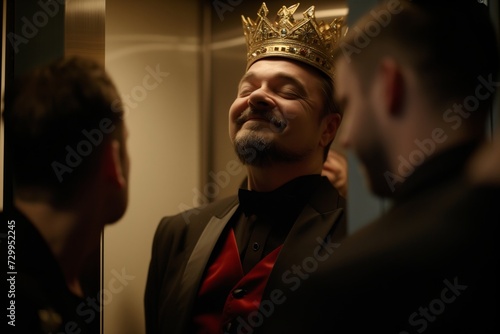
255,149
375,165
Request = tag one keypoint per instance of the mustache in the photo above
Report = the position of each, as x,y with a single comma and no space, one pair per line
275,118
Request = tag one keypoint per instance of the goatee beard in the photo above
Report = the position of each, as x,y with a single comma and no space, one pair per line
277,123
255,150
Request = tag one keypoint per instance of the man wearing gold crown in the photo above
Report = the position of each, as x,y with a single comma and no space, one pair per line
227,267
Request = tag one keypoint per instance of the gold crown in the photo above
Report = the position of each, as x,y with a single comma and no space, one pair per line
304,40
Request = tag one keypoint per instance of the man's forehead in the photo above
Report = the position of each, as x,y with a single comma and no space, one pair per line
275,61
284,67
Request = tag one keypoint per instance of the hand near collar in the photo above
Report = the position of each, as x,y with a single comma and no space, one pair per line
335,169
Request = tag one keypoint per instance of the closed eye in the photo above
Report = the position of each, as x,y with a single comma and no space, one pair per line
290,90
245,93
245,90
289,94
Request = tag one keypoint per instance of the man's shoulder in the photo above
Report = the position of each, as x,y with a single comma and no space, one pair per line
218,208
178,234
195,218
326,198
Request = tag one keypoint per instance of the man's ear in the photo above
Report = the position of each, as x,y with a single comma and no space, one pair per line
392,86
112,164
331,123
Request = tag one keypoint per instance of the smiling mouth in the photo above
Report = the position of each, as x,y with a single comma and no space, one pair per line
276,124
262,119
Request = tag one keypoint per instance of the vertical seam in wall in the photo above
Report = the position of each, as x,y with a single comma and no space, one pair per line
206,112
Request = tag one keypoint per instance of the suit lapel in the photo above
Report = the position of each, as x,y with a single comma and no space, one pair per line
320,225
324,213
198,260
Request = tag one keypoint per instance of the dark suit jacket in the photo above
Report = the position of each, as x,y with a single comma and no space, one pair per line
426,266
183,243
42,301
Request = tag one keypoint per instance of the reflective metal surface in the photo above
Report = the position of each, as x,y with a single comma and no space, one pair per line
85,28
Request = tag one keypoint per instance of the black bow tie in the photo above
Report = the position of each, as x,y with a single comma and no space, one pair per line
268,203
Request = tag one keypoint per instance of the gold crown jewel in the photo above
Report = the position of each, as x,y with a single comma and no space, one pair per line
304,40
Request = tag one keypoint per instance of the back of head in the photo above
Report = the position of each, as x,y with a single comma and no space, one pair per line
451,46
56,118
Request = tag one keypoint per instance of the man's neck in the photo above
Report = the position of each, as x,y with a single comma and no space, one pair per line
269,178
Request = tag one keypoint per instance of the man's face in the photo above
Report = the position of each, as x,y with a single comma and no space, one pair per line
118,201
276,114
125,158
362,127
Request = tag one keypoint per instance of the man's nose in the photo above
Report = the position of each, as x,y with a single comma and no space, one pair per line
260,100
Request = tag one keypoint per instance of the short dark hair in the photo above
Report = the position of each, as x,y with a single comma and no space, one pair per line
50,111
450,46
331,106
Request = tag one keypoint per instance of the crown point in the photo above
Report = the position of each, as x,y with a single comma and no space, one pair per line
304,40
309,13
263,11
288,12
293,8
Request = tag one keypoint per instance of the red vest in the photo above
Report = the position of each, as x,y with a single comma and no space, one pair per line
227,296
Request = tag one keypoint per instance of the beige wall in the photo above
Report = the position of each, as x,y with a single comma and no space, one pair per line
163,121
1,161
